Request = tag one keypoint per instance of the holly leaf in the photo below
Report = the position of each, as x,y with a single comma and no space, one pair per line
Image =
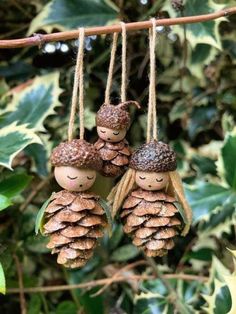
221,288
63,14
13,139
226,164
2,281
199,33
204,197
34,103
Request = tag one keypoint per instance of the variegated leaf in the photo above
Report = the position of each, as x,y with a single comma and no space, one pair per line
62,14
13,139
34,103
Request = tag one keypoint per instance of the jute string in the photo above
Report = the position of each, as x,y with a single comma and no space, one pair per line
78,86
152,113
123,63
111,68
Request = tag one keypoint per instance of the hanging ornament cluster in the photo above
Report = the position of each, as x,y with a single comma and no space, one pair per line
154,209
113,121
150,194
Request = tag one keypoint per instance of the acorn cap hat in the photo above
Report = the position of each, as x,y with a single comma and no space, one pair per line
76,153
154,156
115,117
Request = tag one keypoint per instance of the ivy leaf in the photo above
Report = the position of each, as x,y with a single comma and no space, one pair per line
2,281
34,103
125,253
13,139
205,197
4,202
63,14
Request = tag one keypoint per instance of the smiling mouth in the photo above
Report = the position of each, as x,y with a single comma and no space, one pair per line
72,178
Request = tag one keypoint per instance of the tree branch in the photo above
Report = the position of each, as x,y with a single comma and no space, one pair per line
101,282
39,39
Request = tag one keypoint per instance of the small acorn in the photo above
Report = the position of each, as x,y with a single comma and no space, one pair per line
74,219
149,213
112,122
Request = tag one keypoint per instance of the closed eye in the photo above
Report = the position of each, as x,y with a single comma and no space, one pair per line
72,178
102,131
90,178
116,133
159,180
142,178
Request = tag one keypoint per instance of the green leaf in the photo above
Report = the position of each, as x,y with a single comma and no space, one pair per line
34,304
125,253
40,215
14,184
2,281
40,156
63,14
66,307
35,103
228,158
107,209
204,198
4,202
181,211
13,139
202,118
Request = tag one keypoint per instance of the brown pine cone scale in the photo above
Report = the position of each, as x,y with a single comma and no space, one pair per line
115,157
152,220
74,221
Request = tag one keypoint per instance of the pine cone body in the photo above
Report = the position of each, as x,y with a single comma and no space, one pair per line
74,221
115,157
150,217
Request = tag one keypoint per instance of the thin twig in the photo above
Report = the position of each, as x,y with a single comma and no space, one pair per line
119,272
39,39
21,285
101,282
174,299
34,192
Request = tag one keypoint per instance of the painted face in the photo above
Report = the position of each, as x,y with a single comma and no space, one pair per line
109,135
151,181
74,179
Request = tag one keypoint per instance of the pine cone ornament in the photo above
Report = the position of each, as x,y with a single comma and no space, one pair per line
74,221
149,213
112,125
152,220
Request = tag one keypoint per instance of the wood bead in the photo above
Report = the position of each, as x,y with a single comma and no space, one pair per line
74,179
151,181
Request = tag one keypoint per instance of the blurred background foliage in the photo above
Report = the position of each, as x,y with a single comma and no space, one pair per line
196,76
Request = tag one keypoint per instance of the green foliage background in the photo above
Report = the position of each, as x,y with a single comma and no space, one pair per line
196,76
